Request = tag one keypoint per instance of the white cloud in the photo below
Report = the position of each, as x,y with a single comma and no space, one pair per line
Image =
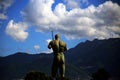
71,4
4,5
36,47
17,30
39,13
3,16
48,41
92,22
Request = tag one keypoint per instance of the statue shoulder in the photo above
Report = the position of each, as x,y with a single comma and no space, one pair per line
62,43
51,42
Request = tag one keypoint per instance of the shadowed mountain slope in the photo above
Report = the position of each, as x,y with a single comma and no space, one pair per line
81,61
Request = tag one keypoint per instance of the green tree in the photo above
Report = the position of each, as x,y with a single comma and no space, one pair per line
35,75
101,74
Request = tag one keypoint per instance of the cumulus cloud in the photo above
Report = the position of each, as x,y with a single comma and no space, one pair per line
3,16
4,5
70,4
92,22
17,30
39,13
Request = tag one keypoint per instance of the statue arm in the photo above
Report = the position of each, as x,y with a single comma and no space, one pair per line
49,45
65,48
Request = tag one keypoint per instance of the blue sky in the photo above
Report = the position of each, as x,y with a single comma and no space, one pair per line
25,25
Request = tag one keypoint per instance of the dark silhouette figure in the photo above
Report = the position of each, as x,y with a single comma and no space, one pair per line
101,74
58,48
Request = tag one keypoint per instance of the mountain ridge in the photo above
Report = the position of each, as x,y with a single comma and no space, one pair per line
81,61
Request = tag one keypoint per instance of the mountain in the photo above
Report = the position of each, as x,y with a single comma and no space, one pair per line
97,54
81,61
16,66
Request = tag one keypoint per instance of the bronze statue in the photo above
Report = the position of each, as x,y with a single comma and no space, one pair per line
58,47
